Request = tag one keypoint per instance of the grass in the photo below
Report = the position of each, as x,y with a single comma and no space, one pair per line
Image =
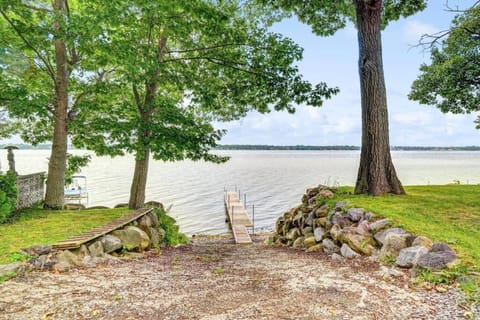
36,226
449,213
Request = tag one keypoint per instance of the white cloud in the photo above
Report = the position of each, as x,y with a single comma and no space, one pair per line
413,118
414,30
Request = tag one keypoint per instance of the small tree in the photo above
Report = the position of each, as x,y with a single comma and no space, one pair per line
451,82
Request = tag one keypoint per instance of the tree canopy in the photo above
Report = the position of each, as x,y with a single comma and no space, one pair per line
451,81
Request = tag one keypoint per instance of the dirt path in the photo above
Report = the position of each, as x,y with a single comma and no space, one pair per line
214,279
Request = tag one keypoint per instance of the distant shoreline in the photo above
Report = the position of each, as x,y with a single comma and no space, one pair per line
287,148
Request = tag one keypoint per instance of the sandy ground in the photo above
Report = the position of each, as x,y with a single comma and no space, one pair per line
215,279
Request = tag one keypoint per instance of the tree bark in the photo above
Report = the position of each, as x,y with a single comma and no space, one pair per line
139,181
376,174
54,195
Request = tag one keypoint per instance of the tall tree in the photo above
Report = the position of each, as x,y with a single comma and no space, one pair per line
40,41
451,82
170,68
376,173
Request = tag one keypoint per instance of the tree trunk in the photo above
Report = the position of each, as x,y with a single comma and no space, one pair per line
54,196
139,182
376,174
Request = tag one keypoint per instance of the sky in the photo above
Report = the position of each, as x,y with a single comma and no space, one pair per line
338,122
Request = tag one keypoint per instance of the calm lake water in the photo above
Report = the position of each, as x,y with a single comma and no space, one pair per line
272,180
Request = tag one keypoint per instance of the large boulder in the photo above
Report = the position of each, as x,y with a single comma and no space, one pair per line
423,241
393,244
298,243
441,256
382,235
380,225
145,221
81,252
408,257
37,250
319,234
111,243
335,232
293,234
132,238
66,259
329,246
358,242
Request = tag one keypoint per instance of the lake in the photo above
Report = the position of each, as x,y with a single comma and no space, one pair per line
272,180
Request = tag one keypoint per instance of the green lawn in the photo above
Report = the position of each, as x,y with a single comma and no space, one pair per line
47,227
449,213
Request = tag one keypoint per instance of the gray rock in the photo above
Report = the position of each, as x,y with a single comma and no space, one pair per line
393,244
436,260
336,256
307,230
338,218
319,233
329,246
381,236
441,246
96,249
111,243
11,269
37,250
380,225
64,258
408,257
161,233
347,252
368,216
355,214
81,252
154,237
340,205
62,266
363,229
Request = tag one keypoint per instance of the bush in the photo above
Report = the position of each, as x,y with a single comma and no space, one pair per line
173,236
8,196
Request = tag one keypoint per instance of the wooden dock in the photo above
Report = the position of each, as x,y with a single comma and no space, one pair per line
238,218
77,241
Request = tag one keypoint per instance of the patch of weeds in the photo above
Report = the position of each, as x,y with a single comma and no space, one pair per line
173,236
117,297
388,260
18,256
8,276
219,271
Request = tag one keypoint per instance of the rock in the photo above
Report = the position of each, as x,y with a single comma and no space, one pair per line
293,234
326,194
111,243
441,246
347,252
408,257
338,218
7,270
37,250
422,241
132,238
355,214
436,260
66,258
319,233
298,243
336,256
309,219
368,216
153,217
145,221
315,248
309,242
311,192
380,236
307,230
358,242
380,225
320,222
161,233
335,232
154,237
153,204
96,249
81,252
363,229
329,246
322,211
340,205
393,244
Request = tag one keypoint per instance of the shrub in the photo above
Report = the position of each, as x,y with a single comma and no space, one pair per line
8,196
173,236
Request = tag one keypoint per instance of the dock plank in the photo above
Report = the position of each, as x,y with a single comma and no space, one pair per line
238,217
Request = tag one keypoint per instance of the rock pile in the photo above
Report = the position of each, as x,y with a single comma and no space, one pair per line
349,232
140,235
